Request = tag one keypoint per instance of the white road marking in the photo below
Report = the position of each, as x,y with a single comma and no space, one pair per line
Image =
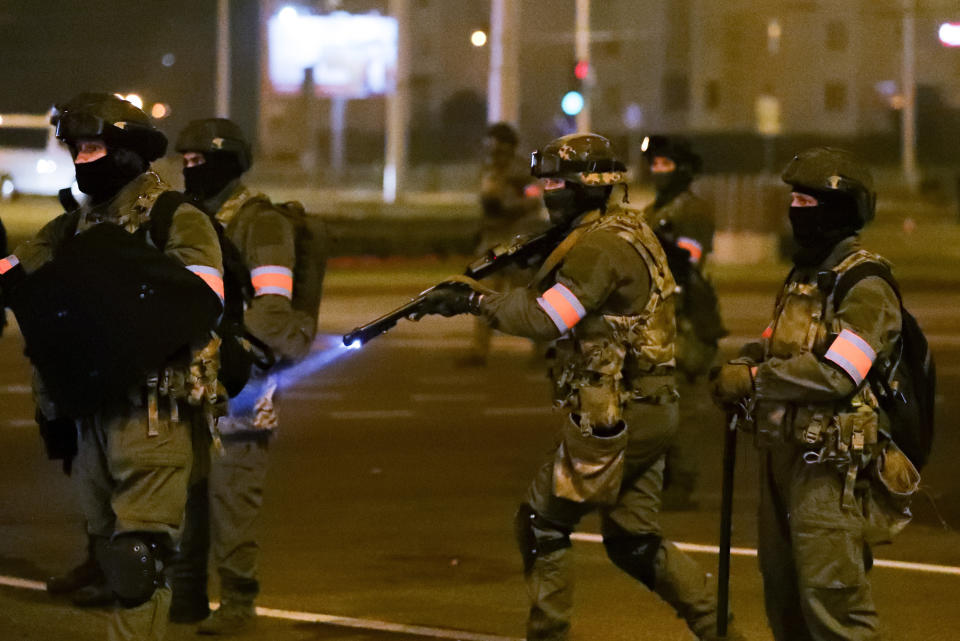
929,568
20,422
313,617
466,397
15,389
517,411
371,414
307,395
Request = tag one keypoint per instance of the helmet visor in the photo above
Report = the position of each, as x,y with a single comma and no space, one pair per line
77,125
545,165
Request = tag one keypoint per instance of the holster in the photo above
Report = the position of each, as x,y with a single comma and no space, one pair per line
588,468
893,482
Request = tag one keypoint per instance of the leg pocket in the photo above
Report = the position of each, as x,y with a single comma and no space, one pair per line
829,558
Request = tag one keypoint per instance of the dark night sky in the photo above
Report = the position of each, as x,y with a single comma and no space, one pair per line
53,49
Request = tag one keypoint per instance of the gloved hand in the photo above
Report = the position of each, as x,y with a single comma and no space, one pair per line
731,382
449,299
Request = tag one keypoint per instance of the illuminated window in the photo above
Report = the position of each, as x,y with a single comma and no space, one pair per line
836,36
835,96
774,33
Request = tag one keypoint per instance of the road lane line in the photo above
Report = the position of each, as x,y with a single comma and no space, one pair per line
305,395
448,398
15,389
382,626
371,414
314,617
20,422
517,411
929,568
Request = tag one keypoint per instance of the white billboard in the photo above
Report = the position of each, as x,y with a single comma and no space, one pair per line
352,56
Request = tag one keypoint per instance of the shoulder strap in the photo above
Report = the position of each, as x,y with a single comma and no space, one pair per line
161,216
848,279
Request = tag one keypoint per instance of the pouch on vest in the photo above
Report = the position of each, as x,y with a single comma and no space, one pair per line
588,468
105,311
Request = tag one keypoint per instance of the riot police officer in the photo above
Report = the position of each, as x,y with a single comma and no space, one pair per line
134,451
511,202
684,224
818,425
225,509
605,294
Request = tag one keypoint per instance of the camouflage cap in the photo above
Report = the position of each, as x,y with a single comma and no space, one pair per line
587,159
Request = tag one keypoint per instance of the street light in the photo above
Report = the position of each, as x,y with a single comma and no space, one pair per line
478,38
950,34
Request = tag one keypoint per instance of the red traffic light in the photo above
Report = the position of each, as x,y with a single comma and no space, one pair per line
581,70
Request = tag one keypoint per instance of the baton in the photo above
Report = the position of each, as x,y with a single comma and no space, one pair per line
726,524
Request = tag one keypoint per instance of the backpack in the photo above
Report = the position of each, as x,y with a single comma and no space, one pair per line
239,349
905,382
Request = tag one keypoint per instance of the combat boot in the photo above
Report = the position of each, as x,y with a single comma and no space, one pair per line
229,619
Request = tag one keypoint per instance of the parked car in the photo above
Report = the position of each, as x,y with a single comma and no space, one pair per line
32,160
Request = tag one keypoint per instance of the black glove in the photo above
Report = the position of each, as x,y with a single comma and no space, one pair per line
449,299
732,382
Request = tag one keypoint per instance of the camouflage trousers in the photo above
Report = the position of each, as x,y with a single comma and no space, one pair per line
130,480
813,552
677,579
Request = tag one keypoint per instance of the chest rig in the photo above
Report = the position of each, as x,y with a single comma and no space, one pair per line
844,432
611,357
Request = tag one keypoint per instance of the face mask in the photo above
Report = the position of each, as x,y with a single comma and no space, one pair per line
208,179
564,205
101,179
818,229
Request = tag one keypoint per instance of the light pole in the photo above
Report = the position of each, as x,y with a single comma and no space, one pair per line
503,84
909,80
223,59
582,52
398,107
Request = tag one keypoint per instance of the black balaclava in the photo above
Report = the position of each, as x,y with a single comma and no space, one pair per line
101,179
209,178
670,184
564,205
818,229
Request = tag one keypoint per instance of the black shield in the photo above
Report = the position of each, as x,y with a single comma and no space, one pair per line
105,311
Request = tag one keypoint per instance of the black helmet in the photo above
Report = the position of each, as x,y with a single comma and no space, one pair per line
216,135
112,119
676,148
587,159
503,132
826,170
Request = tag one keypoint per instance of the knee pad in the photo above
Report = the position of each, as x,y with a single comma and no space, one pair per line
536,536
133,564
635,554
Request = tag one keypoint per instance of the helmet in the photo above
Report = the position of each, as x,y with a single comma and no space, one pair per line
216,135
826,170
503,132
676,148
587,159
114,120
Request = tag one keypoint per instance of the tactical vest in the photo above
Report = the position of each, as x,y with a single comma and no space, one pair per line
237,214
804,322
629,357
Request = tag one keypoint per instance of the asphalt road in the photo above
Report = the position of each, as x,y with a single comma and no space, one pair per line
395,477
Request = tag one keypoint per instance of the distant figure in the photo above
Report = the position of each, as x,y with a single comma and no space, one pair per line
512,205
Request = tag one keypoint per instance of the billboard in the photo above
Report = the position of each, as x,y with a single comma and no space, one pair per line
352,56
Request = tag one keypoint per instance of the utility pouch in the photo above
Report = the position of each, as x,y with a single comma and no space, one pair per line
599,404
589,468
893,482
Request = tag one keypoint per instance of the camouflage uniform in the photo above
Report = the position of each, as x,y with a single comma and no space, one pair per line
615,379
134,457
686,222
224,505
820,434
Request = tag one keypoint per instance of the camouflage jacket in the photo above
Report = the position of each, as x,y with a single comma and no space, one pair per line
267,240
809,381
610,302
688,221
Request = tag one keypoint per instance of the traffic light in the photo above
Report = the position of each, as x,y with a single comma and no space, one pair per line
574,99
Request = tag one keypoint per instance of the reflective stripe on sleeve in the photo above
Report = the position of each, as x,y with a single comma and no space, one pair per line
853,354
692,246
768,332
211,276
272,279
8,263
562,307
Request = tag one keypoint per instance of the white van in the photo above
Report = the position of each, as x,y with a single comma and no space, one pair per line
32,160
